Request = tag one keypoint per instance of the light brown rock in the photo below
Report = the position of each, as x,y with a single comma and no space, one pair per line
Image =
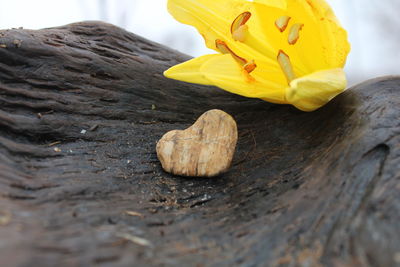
205,149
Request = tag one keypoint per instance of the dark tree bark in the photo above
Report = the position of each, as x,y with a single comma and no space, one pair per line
81,108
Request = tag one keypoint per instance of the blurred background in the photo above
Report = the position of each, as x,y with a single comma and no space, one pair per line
373,26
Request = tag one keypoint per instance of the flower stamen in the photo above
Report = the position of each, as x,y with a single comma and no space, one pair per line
239,29
282,22
294,33
286,66
224,49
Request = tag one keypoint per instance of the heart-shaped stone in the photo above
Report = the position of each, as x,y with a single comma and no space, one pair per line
205,149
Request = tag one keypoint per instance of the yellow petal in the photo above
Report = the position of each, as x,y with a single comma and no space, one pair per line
189,71
273,3
268,17
322,42
335,46
223,71
310,92
253,36
322,9
213,19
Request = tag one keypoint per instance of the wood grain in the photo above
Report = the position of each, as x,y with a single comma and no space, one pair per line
304,188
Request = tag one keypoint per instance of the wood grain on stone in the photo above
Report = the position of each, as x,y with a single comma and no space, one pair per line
205,149
305,189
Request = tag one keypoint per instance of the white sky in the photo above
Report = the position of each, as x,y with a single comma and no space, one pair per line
372,53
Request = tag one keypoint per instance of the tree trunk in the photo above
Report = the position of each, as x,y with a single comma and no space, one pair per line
81,108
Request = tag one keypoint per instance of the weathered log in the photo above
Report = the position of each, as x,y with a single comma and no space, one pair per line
81,109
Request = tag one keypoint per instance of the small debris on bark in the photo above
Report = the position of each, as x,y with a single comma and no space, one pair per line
17,43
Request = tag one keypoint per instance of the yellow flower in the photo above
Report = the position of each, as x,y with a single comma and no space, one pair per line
282,51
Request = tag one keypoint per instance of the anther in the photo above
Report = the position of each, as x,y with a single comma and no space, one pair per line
282,22
250,66
294,33
286,66
240,33
239,28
